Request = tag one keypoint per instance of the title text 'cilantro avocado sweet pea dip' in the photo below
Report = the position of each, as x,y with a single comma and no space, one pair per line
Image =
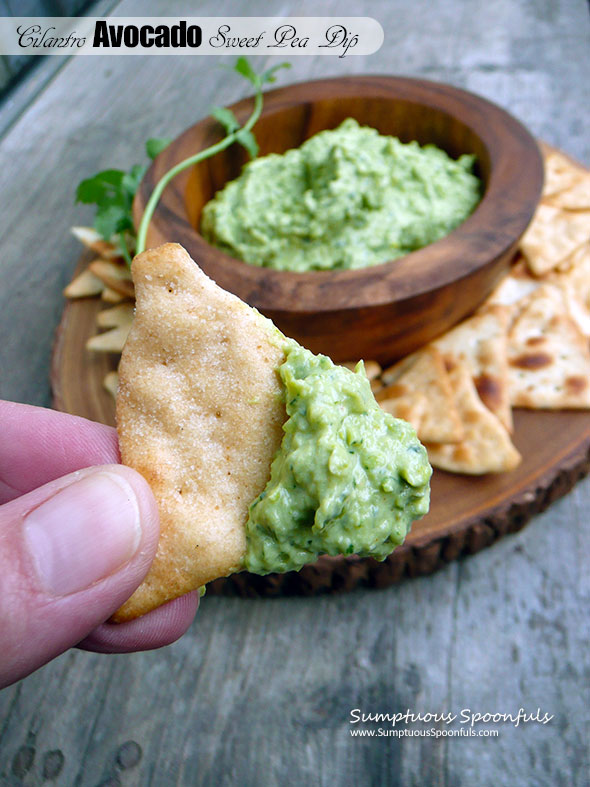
348,477
346,198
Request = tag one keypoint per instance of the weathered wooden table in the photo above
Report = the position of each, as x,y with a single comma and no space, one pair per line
260,691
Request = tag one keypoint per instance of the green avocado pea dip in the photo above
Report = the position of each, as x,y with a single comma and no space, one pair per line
347,479
346,198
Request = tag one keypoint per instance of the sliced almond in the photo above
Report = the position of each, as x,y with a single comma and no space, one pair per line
92,240
116,277
116,317
110,296
111,341
111,382
85,285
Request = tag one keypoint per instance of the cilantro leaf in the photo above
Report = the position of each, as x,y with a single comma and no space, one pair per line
100,188
269,74
244,68
248,140
113,191
227,119
155,145
112,219
131,181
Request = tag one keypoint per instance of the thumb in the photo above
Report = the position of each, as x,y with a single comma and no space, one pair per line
71,552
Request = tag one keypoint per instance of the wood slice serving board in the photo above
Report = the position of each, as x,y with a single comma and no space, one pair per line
466,514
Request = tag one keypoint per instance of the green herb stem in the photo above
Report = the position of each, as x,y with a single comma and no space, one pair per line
188,162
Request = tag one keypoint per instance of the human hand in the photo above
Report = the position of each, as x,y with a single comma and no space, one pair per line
76,539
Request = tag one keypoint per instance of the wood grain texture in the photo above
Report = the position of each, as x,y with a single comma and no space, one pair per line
384,311
259,691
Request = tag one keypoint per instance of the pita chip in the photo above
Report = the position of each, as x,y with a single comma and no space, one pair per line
553,235
480,344
575,197
560,173
515,286
372,368
486,446
198,392
548,356
424,372
401,403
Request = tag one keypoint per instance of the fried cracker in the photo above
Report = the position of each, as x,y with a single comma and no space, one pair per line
199,414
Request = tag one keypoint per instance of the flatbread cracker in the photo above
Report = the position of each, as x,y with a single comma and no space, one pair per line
548,356
199,413
486,446
424,372
553,235
480,344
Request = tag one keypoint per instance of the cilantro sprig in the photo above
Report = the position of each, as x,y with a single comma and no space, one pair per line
235,133
112,190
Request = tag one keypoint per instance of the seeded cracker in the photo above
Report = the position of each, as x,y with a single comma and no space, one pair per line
199,415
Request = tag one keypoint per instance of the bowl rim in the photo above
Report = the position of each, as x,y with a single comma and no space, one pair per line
496,219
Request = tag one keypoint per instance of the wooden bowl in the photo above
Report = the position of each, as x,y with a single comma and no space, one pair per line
388,310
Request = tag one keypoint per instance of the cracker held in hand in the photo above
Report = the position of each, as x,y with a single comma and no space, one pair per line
548,355
199,415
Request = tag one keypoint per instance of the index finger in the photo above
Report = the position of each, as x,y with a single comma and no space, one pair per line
38,445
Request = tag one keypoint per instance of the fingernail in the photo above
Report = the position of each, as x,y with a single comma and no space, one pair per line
84,533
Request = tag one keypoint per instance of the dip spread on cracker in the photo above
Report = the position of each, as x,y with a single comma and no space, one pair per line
211,395
349,478
346,198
